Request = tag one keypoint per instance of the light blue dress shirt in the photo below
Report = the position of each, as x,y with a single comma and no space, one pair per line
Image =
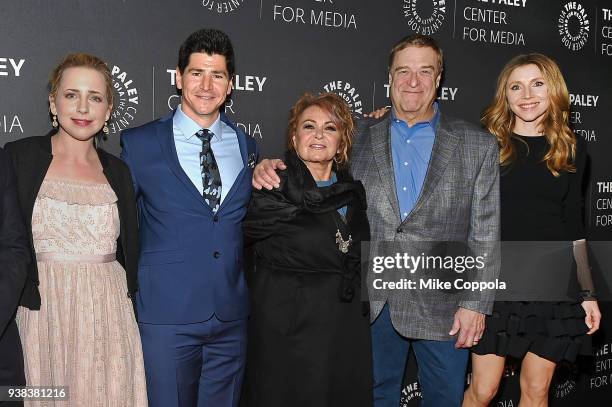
224,144
411,150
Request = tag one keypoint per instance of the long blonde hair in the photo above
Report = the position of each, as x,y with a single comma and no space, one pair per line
499,120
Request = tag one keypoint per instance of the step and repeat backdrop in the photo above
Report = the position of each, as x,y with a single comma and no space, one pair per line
287,47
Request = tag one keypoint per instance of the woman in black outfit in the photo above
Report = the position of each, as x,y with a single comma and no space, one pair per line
309,338
542,170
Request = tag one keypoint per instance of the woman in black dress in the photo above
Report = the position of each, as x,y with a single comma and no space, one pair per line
309,337
542,169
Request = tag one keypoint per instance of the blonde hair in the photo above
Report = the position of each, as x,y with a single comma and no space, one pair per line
84,61
499,120
340,115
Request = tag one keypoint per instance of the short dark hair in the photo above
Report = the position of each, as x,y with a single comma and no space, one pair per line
208,41
418,40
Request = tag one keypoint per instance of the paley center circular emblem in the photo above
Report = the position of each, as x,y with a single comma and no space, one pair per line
125,106
573,25
221,6
347,92
424,16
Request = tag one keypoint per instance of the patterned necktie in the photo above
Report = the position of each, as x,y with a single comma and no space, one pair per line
211,178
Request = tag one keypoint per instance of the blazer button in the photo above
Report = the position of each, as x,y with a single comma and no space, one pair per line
216,255
399,230
216,218
129,295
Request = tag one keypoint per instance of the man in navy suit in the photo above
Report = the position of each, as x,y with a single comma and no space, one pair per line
192,176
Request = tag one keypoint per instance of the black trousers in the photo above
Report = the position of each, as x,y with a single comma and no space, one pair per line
11,361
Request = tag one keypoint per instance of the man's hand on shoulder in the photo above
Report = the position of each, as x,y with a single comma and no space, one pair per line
470,326
264,174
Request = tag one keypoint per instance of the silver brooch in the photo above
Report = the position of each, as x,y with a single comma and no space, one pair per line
343,245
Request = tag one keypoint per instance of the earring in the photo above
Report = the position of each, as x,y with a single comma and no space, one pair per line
105,128
54,123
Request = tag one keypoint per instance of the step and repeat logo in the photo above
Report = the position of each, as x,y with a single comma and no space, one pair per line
221,7
424,16
491,22
573,26
565,378
602,189
348,92
10,68
583,105
606,32
445,93
125,106
601,377
410,393
322,13
245,86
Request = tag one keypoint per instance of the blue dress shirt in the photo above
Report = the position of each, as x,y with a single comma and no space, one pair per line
411,150
224,144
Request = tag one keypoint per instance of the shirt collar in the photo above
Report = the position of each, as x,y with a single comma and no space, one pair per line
189,127
432,122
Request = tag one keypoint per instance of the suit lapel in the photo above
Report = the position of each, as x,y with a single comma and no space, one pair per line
443,149
164,134
244,150
380,140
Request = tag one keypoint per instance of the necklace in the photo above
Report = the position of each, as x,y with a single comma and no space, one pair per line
343,245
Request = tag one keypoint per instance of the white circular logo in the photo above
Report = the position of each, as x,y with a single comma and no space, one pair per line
424,16
573,25
565,381
347,92
221,6
409,393
125,105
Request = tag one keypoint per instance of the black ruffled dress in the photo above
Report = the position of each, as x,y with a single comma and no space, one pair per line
536,206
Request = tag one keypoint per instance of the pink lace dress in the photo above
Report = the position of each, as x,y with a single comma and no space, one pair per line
85,335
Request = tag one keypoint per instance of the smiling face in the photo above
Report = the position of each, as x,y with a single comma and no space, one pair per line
527,96
414,78
205,83
317,139
80,103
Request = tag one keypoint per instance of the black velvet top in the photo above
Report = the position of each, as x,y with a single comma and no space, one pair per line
293,228
536,205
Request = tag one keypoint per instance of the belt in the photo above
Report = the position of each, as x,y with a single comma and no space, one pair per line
75,258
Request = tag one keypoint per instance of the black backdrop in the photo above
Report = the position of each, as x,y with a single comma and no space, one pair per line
287,47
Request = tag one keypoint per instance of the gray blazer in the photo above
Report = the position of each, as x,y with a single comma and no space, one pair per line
459,201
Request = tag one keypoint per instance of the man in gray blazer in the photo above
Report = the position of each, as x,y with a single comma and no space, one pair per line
428,177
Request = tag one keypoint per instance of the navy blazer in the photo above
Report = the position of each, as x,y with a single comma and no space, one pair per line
191,260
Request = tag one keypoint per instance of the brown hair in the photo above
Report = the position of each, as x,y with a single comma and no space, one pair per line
340,115
418,40
84,61
499,119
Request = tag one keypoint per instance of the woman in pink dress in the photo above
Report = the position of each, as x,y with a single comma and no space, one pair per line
76,319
